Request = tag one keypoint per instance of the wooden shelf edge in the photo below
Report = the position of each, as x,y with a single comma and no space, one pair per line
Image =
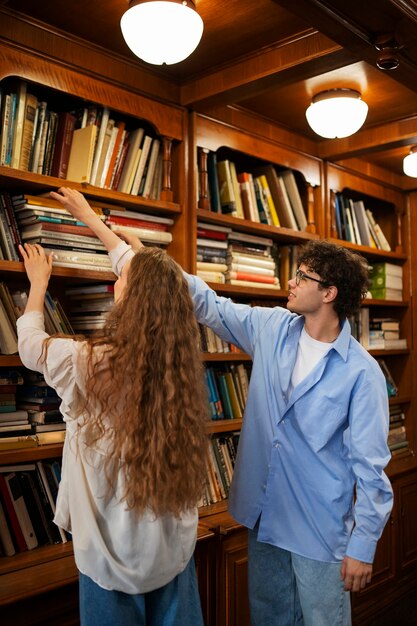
246,226
252,292
367,251
225,356
224,426
17,178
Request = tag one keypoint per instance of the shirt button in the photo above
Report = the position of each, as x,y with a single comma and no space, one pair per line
284,397
276,445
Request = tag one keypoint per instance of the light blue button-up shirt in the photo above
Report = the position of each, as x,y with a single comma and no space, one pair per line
301,457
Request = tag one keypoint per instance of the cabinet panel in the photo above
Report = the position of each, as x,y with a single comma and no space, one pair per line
407,522
232,589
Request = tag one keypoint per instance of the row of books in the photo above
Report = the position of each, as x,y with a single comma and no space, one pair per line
356,223
264,194
213,344
12,306
228,386
223,450
88,145
397,434
42,220
27,506
227,256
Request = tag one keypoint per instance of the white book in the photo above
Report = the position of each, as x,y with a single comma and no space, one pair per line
81,257
358,238
211,243
286,200
251,269
106,163
146,234
362,222
146,146
245,237
97,152
153,156
236,189
142,216
135,139
21,511
211,267
295,198
249,283
220,229
211,277
255,261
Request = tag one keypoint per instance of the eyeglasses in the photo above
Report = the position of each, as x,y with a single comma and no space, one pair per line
299,276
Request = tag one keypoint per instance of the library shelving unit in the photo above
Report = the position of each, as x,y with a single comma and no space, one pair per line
248,151
396,556
40,586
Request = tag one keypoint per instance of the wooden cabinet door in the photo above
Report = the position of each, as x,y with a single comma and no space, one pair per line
407,523
232,591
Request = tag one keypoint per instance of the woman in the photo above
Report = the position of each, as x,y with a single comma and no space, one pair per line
134,459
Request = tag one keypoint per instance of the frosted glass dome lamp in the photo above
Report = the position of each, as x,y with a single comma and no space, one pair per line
410,163
162,31
337,113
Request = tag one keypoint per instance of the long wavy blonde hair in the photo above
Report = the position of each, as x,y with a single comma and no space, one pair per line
148,384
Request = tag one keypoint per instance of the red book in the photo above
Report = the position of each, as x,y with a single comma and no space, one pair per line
11,513
211,234
129,221
7,389
70,229
256,278
65,129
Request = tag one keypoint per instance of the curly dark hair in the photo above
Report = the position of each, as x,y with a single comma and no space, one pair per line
338,266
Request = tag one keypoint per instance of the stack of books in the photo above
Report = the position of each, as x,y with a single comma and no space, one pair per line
89,306
386,331
44,221
14,422
151,229
386,281
211,252
250,262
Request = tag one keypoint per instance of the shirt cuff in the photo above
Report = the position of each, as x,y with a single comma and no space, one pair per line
119,256
361,549
30,320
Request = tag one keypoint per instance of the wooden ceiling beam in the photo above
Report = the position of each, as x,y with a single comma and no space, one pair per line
302,56
384,137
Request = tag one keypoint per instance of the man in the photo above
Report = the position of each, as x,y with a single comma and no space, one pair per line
309,481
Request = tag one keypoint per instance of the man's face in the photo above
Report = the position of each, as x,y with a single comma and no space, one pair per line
305,293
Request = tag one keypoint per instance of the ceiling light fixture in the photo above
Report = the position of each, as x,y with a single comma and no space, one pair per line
410,163
162,31
337,113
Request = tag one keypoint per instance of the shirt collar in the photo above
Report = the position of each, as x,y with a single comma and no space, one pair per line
341,345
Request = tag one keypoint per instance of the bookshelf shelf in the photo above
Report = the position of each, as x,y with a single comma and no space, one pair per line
70,273
224,426
384,255
11,360
235,291
228,356
383,353
40,555
14,180
254,228
30,455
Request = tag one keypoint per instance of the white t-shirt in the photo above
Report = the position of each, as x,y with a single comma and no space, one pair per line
309,353
114,547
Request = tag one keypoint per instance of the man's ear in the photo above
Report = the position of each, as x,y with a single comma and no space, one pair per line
330,293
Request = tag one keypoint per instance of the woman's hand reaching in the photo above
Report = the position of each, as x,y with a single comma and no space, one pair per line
38,265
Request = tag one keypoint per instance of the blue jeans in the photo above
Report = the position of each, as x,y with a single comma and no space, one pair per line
175,604
286,589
